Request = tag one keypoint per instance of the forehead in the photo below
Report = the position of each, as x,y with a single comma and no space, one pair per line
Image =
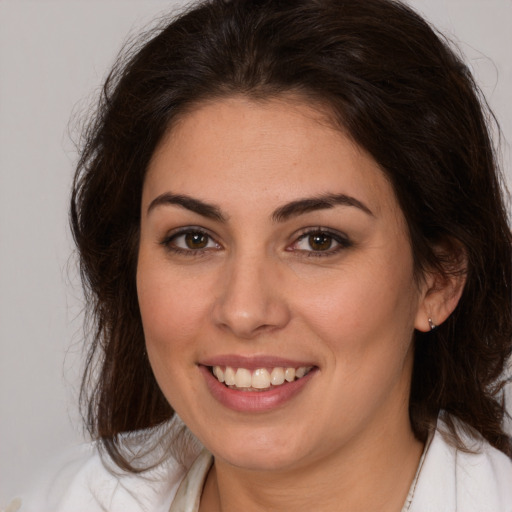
274,149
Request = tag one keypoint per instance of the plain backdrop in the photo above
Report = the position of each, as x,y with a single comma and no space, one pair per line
53,57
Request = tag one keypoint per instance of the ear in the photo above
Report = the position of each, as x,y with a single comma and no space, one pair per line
441,291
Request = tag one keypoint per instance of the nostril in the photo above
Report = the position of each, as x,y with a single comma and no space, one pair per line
248,320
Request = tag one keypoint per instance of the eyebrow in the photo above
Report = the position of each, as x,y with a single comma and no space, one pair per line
281,214
209,211
322,202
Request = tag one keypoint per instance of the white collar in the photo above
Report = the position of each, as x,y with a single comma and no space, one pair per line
188,497
447,479
189,493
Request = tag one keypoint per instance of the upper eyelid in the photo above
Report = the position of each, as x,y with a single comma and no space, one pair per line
335,233
341,239
338,236
188,229
181,231
342,243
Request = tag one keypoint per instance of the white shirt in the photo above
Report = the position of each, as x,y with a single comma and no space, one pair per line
448,480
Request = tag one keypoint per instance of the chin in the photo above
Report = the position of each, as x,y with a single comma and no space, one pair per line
255,459
259,452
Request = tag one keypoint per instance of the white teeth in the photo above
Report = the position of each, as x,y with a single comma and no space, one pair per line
229,376
289,374
300,372
277,376
243,378
260,378
217,371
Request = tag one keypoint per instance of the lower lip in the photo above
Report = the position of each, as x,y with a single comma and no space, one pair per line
254,401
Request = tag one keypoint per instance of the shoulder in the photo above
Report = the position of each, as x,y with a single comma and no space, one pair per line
453,480
84,482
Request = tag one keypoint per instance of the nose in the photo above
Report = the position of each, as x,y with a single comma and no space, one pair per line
251,300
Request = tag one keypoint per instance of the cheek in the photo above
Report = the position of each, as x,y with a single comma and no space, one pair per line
170,303
373,305
170,319
171,316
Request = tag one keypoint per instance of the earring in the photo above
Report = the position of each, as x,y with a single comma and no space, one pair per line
431,324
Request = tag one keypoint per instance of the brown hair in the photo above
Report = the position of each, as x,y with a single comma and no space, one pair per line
400,92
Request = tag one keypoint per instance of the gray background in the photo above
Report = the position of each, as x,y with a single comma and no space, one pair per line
53,56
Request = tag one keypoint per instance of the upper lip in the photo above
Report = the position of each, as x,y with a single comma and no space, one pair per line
253,362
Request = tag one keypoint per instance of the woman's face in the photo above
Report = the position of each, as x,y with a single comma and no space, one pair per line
272,245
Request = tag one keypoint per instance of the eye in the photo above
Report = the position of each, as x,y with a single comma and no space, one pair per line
190,240
320,242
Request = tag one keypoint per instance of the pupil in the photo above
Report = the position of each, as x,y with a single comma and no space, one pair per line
320,242
196,240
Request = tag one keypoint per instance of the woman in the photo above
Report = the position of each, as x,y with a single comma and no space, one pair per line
292,237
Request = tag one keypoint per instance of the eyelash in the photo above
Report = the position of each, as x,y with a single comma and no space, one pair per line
342,241
167,242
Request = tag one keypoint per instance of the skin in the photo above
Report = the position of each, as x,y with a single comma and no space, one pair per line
258,288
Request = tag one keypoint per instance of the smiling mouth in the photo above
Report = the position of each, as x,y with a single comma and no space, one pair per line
259,379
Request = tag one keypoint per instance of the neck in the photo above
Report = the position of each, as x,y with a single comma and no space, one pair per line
373,473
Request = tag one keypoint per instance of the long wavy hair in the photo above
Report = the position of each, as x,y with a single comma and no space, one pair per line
398,89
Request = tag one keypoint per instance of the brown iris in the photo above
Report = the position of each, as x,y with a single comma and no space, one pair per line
196,240
320,241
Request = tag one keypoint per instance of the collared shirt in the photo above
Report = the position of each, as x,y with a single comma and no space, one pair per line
447,480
